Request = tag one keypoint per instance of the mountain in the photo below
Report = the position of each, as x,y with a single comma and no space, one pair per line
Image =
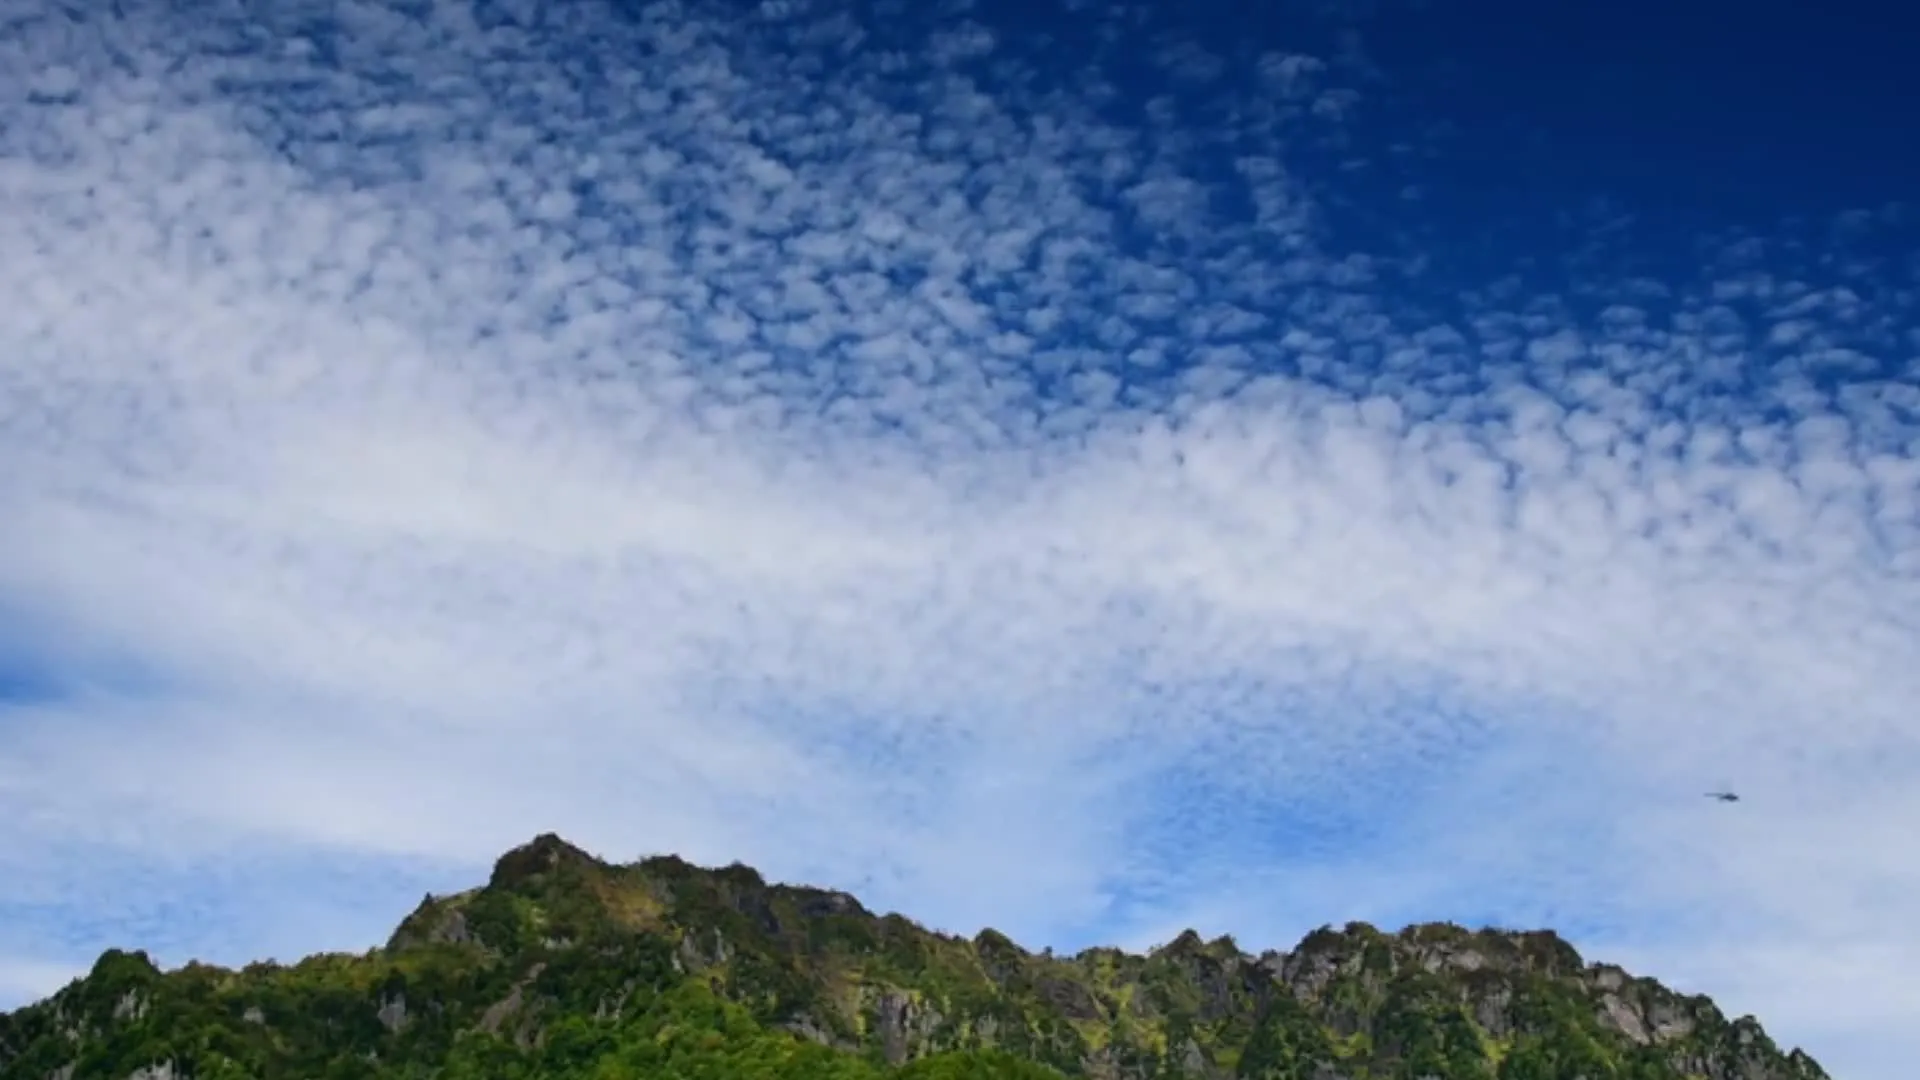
566,966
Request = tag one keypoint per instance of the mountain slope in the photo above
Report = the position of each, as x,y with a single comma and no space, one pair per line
566,966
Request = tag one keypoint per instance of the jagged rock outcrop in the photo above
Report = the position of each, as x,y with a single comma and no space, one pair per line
564,962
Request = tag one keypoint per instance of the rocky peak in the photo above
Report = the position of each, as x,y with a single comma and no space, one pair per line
1187,945
121,966
823,903
993,945
539,857
561,949
741,876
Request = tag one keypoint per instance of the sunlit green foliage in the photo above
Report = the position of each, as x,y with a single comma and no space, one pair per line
566,968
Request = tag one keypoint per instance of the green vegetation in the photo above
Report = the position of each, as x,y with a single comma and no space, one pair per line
567,967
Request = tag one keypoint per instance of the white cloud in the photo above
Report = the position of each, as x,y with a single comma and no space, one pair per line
815,464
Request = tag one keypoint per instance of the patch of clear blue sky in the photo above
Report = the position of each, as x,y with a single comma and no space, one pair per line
26,679
44,660
28,672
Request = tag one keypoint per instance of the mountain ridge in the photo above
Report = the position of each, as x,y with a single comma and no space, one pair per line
565,965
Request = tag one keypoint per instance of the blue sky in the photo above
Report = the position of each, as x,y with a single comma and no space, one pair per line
1081,469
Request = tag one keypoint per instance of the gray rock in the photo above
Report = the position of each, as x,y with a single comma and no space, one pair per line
905,1025
393,1013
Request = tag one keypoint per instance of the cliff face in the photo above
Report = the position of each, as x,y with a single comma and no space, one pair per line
566,966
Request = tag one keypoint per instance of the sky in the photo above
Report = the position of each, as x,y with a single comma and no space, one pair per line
1083,469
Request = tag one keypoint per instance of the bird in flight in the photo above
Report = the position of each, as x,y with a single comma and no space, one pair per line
1723,796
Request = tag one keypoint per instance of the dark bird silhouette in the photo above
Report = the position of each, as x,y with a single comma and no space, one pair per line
1723,796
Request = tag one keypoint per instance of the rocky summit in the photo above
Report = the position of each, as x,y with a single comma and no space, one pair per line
563,965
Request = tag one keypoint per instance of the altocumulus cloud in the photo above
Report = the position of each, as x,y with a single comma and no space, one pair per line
865,451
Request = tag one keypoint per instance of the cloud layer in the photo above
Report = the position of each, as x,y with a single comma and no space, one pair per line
873,453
